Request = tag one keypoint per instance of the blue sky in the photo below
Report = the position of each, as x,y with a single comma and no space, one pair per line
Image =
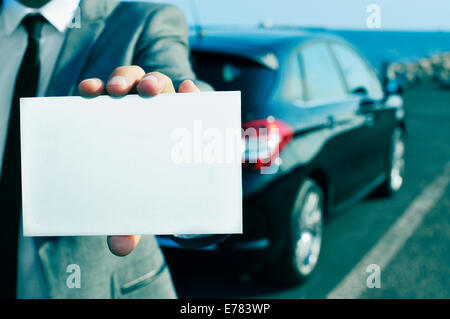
395,14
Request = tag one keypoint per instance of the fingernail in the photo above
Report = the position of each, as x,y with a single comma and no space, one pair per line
118,81
151,78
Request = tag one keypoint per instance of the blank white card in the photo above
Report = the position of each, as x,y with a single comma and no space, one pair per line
131,165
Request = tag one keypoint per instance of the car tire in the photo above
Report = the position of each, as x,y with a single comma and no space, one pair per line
395,165
301,252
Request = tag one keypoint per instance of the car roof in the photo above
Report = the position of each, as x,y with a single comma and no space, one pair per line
255,43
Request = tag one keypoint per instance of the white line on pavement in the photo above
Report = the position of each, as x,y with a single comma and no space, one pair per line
354,284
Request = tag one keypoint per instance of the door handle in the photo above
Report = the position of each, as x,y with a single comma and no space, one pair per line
367,105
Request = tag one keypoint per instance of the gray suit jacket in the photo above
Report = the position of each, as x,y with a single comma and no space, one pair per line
113,34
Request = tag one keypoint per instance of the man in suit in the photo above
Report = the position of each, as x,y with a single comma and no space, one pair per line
115,48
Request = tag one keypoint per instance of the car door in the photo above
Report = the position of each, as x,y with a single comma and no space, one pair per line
328,103
363,83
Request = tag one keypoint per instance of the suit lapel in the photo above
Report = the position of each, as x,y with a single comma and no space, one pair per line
77,46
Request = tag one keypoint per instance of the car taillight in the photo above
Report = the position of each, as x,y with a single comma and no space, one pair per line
263,141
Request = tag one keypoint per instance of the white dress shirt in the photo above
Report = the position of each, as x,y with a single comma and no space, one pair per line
13,44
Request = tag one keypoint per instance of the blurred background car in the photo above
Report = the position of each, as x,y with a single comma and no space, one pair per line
333,134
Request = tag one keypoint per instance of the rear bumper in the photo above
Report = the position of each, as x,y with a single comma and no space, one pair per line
266,213
256,233
242,245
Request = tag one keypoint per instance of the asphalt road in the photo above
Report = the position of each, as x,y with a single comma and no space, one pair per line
419,268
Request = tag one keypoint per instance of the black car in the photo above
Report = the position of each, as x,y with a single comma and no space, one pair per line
332,136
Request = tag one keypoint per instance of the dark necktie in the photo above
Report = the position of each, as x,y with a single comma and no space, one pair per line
10,184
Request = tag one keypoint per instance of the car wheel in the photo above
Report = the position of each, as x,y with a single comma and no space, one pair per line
301,252
396,165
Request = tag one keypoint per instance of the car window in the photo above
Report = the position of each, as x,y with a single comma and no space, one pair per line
357,72
293,84
231,73
321,73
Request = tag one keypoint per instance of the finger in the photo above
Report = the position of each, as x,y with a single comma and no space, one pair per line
122,245
124,79
91,87
188,87
155,83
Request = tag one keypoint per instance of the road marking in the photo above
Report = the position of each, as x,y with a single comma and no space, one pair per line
354,284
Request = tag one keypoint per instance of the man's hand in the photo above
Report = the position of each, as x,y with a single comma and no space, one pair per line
125,80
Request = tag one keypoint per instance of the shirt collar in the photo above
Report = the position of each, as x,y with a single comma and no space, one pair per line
58,12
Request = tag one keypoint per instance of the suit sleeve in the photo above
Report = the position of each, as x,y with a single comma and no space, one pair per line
164,47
